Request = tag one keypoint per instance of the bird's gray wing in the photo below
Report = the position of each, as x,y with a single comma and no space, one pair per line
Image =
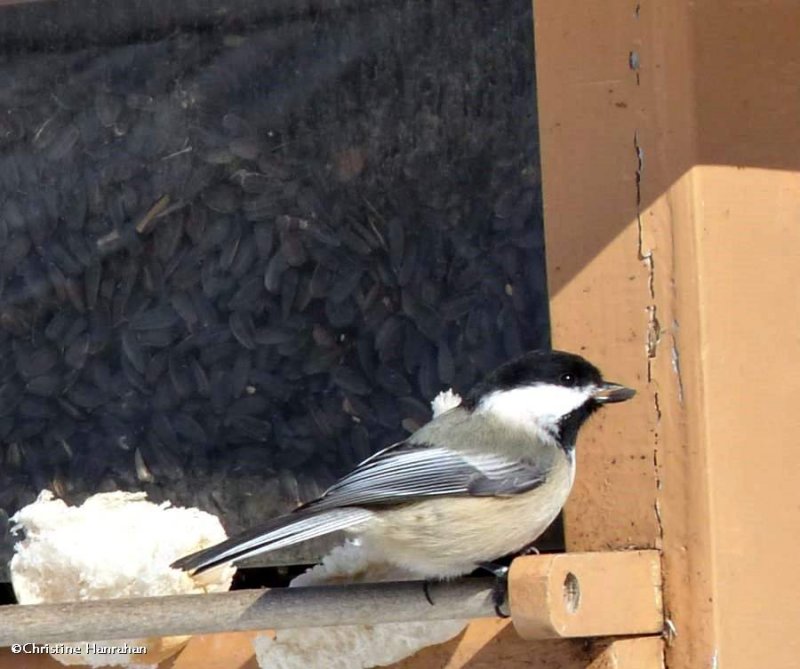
276,533
407,472
402,473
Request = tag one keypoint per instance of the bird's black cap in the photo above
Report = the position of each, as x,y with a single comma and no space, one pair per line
541,366
557,368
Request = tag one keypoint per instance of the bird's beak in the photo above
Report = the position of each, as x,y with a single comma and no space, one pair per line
612,392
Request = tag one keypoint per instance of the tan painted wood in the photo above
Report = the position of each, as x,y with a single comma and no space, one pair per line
747,204
618,135
751,374
699,464
485,644
586,594
489,644
636,653
599,287
161,651
233,650
10,660
618,145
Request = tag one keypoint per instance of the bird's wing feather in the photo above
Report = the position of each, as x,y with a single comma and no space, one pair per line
277,533
404,472
407,472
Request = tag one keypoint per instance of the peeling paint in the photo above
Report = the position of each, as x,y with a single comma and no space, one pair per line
676,366
639,166
670,631
653,333
645,255
633,63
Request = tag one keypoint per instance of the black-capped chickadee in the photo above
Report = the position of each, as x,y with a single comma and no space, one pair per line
478,482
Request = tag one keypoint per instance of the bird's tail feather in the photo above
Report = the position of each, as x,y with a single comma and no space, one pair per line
279,533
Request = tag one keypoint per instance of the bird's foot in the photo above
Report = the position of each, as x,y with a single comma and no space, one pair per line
426,589
500,589
530,549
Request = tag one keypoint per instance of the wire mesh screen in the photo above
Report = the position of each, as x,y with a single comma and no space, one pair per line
242,251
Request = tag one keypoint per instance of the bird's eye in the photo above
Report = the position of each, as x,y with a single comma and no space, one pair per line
567,380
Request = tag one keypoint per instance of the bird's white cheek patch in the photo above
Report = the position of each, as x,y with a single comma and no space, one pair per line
540,406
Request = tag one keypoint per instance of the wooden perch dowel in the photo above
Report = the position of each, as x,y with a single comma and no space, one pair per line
280,608
551,596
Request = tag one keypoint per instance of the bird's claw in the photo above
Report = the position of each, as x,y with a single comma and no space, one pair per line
500,597
500,588
426,589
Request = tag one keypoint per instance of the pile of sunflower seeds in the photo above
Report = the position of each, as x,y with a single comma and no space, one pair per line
233,263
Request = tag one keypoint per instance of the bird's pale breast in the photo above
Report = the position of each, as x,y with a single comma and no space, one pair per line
449,536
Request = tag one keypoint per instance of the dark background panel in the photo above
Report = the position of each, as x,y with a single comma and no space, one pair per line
242,250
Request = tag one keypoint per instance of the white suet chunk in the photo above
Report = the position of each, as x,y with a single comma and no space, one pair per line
113,545
355,646
350,646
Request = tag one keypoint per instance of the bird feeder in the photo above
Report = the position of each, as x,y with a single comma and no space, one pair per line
406,204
